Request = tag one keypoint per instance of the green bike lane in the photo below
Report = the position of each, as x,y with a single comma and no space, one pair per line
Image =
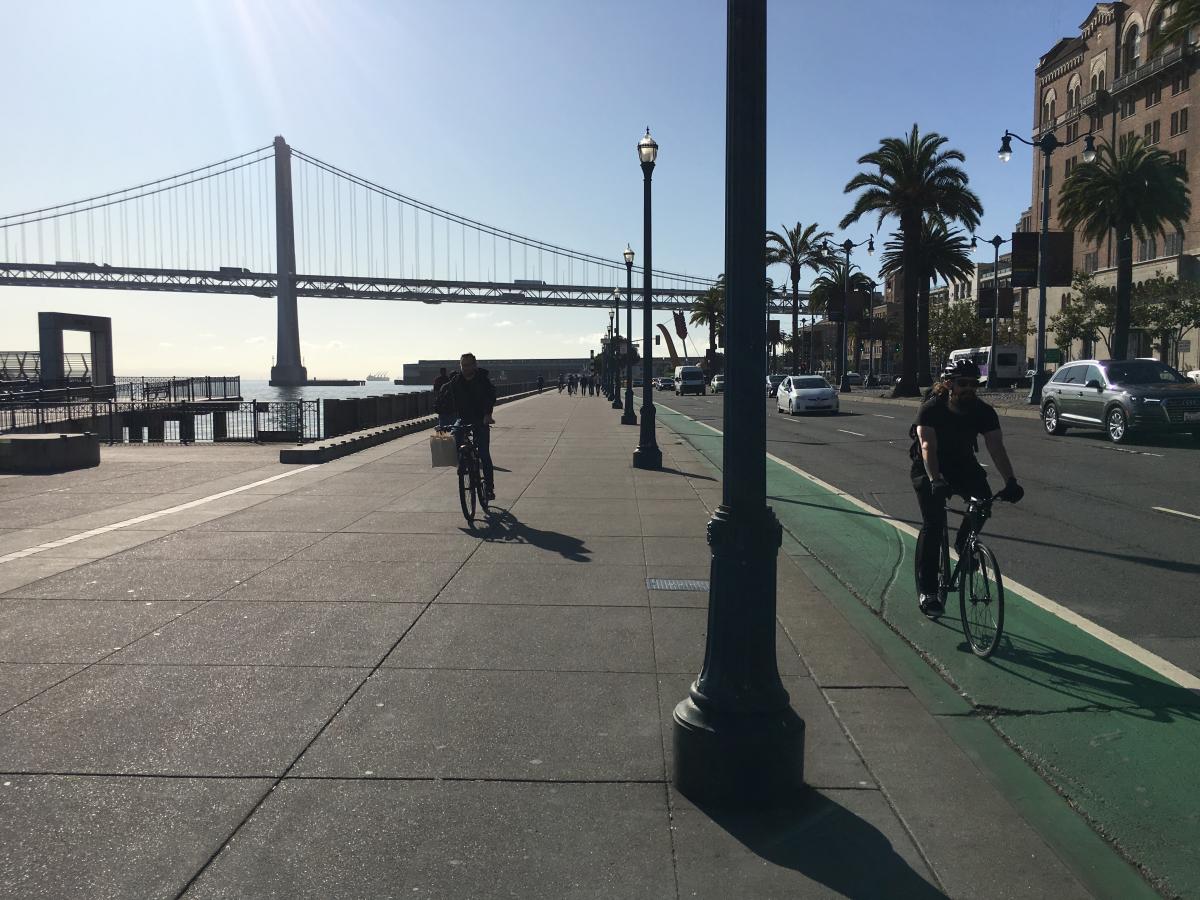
1118,741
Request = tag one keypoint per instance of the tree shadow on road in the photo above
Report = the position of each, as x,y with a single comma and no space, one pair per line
503,527
828,843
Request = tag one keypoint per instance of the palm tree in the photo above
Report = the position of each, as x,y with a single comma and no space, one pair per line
797,248
827,290
913,178
709,311
944,254
1137,190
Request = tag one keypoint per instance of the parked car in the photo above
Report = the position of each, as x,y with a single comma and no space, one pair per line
1121,397
885,379
718,384
1194,375
806,393
773,382
854,379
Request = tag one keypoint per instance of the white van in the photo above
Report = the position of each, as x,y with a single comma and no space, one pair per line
689,380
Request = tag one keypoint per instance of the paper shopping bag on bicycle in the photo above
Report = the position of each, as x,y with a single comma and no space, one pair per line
441,446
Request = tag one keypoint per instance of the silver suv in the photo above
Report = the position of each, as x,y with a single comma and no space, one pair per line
1120,396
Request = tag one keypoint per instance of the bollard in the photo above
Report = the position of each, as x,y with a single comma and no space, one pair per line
156,428
220,426
187,428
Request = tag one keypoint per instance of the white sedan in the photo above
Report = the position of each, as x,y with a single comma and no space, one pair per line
806,393
1194,375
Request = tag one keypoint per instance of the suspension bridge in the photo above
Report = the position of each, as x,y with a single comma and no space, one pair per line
277,222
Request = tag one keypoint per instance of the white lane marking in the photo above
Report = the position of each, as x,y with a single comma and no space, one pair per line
1176,512
148,517
1151,661
855,433
882,416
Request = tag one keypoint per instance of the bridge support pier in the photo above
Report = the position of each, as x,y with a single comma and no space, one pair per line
288,369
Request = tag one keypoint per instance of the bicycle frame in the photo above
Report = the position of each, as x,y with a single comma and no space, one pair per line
978,511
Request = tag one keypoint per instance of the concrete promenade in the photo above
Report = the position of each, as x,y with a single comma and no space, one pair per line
315,682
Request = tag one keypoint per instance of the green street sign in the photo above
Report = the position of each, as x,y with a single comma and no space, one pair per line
1053,355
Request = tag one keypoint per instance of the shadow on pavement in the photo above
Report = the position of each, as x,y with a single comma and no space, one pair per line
503,527
828,843
1095,684
671,471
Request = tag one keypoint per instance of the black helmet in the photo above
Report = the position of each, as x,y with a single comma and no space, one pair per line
960,368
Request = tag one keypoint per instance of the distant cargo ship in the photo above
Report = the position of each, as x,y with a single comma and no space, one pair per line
379,376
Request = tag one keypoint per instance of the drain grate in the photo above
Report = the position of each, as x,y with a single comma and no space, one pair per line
676,584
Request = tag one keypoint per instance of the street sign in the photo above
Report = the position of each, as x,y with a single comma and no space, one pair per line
1053,355
1060,262
1024,258
773,330
987,303
1184,346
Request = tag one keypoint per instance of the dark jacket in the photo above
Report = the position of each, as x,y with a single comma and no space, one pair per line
468,400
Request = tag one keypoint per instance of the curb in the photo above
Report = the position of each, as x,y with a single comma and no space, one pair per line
344,445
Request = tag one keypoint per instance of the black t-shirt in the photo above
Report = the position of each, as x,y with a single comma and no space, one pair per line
956,435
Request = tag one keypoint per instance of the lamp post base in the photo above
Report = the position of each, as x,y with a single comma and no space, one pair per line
647,455
844,387
1035,388
736,761
615,396
630,417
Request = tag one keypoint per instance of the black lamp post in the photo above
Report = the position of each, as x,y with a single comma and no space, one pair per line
614,384
737,741
997,242
846,247
612,352
647,455
629,417
1047,143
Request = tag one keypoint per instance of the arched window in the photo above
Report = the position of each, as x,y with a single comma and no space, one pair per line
1048,107
1073,93
1131,53
1160,20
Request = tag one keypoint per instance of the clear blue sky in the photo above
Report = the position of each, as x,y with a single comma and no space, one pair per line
520,113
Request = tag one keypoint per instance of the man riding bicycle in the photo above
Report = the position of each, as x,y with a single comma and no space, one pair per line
943,463
470,397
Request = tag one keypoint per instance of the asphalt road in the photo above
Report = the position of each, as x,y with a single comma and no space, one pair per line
1087,534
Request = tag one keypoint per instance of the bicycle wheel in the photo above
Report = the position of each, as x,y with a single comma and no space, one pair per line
466,487
981,600
477,481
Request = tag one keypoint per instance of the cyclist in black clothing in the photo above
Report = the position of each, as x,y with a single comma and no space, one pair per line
471,396
943,463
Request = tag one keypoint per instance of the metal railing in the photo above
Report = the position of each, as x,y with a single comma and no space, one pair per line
1154,66
22,369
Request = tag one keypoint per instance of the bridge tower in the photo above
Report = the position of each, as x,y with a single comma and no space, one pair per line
288,370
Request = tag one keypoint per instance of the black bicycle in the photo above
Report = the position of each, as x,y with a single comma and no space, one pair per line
976,576
472,492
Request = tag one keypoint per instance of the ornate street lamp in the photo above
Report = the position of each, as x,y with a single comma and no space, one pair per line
847,246
614,392
647,455
997,242
629,417
1047,143
608,369
737,741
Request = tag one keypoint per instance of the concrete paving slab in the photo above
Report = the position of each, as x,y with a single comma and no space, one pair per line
973,854
677,551
77,631
680,633
533,545
173,720
21,538
545,638
20,681
72,836
589,726
117,578
357,547
101,545
328,580
285,514
18,573
225,632
449,839
689,599
192,544
826,844
504,583
52,508
608,507
410,523
694,526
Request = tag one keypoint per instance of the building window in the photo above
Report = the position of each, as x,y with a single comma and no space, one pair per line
1091,261
1131,54
1128,107
1151,132
1179,122
1154,95
1181,83
1173,244
1147,249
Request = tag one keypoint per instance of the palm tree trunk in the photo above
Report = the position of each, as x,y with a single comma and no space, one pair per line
1120,332
924,379
910,227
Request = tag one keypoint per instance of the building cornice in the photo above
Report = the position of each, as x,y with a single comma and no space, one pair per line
1061,69
1102,14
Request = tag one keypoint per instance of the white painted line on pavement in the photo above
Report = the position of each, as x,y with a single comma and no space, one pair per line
1176,512
855,433
1151,661
148,517
882,416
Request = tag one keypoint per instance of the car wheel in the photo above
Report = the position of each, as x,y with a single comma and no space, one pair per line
1116,424
1050,420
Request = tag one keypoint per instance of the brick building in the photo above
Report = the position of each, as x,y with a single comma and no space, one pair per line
1104,80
